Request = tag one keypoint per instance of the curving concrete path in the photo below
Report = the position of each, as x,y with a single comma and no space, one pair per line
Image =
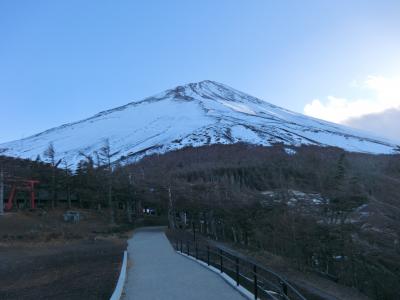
157,272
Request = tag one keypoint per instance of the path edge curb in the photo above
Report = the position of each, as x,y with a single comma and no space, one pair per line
121,279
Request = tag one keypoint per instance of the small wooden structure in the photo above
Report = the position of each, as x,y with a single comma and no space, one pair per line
72,216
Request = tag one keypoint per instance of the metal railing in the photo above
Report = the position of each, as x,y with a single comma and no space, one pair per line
261,282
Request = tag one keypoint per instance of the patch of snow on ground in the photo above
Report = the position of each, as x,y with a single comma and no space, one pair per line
290,151
244,134
238,107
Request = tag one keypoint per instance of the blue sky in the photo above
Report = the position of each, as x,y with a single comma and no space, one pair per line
61,61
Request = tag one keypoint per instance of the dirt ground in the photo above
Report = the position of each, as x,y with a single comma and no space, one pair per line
43,257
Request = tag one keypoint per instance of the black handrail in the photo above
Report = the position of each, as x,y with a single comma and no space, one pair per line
263,283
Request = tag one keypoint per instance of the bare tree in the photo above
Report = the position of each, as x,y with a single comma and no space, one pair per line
50,155
106,156
171,210
67,171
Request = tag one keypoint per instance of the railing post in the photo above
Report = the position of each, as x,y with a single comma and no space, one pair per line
187,248
194,232
220,261
181,247
237,271
284,288
196,251
255,282
208,255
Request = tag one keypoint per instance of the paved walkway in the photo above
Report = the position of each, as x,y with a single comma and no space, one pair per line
157,272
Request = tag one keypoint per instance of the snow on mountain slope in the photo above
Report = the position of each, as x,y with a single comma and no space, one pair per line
192,115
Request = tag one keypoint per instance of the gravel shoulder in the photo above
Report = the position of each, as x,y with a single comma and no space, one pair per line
42,257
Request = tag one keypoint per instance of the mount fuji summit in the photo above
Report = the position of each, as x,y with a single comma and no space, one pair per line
195,114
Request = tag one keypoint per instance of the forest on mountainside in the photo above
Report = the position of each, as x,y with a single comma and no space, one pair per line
326,210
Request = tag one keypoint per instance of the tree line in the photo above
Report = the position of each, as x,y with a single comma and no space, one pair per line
351,236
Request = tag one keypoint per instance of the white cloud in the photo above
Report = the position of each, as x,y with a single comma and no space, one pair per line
340,109
386,91
385,124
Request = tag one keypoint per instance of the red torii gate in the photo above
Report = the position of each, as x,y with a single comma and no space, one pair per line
27,184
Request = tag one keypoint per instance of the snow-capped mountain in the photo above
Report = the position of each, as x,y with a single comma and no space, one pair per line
195,114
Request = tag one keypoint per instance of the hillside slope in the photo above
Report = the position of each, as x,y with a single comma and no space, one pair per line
195,114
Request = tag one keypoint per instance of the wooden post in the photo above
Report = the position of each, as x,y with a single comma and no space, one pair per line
1,191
